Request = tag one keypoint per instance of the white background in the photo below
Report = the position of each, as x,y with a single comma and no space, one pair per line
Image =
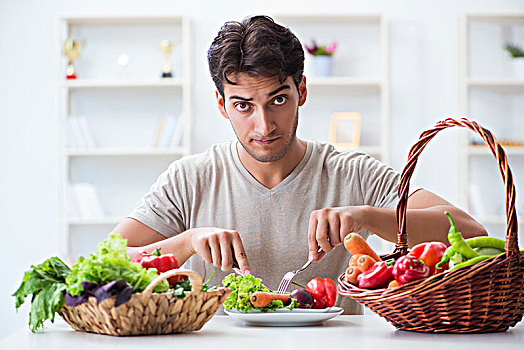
423,75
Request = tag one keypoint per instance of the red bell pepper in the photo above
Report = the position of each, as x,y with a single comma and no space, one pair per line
408,268
430,253
140,255
324,291
377,276
161,262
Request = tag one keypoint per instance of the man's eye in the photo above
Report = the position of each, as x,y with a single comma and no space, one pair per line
280,100
241,106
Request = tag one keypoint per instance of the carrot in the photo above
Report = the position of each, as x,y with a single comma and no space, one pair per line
355,244
364,262
354,258
261,299
351,274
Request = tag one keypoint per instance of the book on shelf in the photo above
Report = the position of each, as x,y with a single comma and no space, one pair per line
169,131
83,201
78,133
158,131
178,133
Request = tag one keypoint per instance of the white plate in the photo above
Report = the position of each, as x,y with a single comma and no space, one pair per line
284,317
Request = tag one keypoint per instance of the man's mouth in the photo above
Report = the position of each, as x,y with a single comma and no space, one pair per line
265,141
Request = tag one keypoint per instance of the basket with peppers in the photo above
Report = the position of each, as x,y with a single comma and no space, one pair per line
480,287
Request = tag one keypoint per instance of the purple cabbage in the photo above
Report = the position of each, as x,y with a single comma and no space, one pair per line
120,289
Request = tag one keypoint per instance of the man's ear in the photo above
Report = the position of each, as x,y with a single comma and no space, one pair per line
302,89
221,107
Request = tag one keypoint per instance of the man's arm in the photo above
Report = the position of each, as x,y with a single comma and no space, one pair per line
216,246
425,222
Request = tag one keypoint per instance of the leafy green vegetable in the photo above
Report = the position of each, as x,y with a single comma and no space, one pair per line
242,287
46,283
111,263
185,286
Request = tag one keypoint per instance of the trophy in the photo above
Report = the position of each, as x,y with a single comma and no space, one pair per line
72,50
167,47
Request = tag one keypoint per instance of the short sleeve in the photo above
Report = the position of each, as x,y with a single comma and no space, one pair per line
161,206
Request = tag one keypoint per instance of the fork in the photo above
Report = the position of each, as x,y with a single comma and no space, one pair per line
286,280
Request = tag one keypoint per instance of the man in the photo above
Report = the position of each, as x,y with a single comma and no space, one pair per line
271,200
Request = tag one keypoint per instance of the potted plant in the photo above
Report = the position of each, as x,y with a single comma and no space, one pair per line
517,58
322,57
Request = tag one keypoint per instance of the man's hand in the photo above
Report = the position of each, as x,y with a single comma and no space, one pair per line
329,226
427,223
218,247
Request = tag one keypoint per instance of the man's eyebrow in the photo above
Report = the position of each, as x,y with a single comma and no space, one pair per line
235,97
274,92
278,90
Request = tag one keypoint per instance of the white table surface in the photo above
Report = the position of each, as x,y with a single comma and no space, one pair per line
222,332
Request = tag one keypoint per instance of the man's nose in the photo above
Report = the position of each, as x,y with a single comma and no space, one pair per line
264,123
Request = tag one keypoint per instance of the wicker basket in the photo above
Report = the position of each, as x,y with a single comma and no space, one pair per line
485,297
148,312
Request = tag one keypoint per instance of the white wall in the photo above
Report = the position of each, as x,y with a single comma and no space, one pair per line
423,51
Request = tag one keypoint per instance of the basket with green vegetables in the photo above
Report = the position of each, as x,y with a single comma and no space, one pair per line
109,283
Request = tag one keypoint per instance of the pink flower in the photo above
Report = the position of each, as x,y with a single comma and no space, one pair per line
321,50
330,49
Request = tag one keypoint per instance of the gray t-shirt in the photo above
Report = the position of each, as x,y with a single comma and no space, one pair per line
214,189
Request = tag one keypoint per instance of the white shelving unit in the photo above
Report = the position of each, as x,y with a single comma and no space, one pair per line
492,93
123,107
359,80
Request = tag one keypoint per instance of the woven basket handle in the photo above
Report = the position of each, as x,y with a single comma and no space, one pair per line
497,150
194,276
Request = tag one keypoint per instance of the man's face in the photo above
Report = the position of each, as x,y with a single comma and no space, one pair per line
263,113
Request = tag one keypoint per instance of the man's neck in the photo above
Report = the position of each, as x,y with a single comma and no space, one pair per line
270,174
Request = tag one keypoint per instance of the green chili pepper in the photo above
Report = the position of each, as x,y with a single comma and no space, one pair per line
473,261
458,242
485,242
488,251
445,257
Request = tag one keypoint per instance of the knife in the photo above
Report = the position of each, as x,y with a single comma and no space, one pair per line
236,267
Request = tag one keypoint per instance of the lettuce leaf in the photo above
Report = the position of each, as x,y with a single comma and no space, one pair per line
111,263
46,283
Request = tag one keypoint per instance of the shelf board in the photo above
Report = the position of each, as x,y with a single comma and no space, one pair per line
94,221
344,81
96,20
484,150
365,17
94,152
496,16
495,82
100,83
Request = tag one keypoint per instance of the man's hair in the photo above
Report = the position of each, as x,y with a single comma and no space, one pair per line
257,46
